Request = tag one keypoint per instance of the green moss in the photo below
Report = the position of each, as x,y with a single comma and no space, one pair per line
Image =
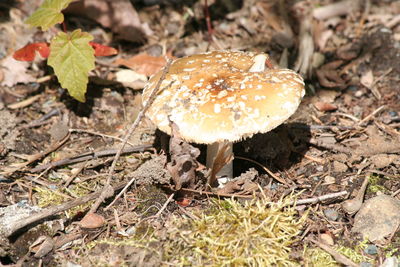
319,257
48,197
256,233
374,186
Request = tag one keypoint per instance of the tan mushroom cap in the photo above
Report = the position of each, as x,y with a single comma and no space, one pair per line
212,97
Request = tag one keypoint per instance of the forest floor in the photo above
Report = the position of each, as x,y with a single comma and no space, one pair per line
297,198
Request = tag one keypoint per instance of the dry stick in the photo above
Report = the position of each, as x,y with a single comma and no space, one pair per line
367,118
89,156
208,20
100,134
314,200
264,168
24,103
32,158
337,256
395,193
208,194
322,127
165,205
41,120
73,176
120,193
107,191
54,210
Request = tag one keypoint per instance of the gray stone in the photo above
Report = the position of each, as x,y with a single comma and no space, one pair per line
378,217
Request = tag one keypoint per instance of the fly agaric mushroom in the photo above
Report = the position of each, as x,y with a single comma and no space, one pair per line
222,96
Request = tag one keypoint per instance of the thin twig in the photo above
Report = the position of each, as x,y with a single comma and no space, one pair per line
314,200
337,256
73,176
46,213
24,103
211,194
367,118
264,168
108,192
165,205
32,158
121,193
395,193
89,156
42,120
100,134
321,127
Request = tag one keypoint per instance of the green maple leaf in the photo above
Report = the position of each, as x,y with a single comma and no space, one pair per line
48,14
72,58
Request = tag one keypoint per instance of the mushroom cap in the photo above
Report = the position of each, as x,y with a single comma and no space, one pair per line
212,97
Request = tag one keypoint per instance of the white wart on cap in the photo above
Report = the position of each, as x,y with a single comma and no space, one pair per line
213,97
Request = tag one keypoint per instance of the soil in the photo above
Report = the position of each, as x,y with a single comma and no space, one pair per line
346,128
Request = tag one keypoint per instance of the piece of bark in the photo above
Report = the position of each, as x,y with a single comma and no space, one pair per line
183,163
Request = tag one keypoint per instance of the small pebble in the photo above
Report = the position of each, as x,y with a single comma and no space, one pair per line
391,262
371,250
331,214
394,114
359,93
53,187
378,217
329,179
327,239
273,186
366,264
352,88
23,203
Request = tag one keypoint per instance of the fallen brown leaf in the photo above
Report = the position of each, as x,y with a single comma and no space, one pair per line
92,221
183,163
15,72
143,63
324,106
329,75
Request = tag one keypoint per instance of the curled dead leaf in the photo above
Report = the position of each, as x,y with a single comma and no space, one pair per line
42,246
349,51
329,75
183,163
92,221
143,63
367,79
324,106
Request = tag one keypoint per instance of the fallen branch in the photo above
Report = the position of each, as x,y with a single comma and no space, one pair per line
89,156
315,200
32,158
46,213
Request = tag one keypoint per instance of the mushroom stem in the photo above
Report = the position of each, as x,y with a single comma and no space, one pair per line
212,152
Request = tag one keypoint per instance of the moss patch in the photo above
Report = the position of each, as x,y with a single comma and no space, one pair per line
228,234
